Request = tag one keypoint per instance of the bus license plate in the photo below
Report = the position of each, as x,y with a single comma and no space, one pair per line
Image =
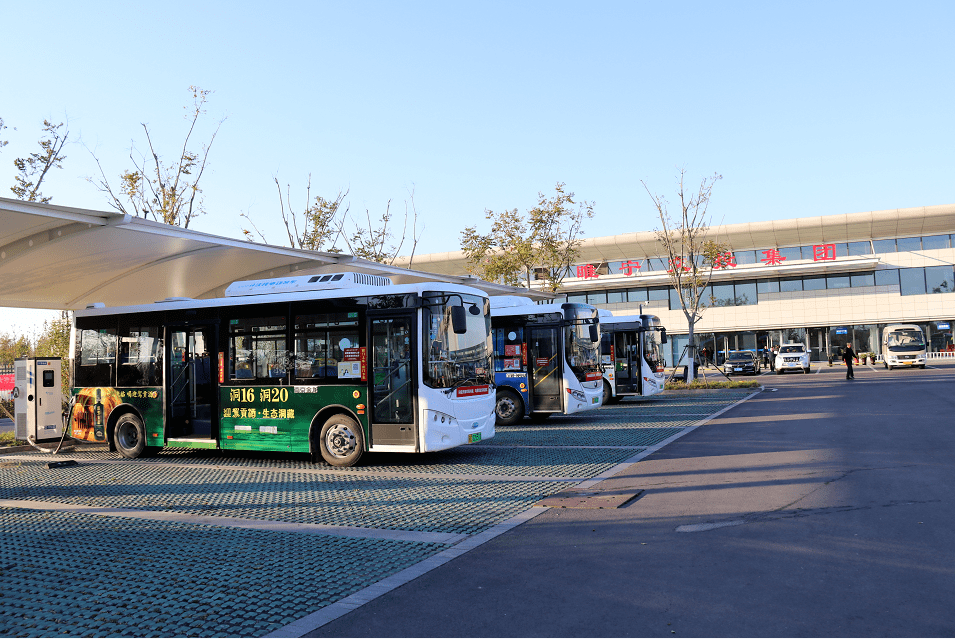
473,438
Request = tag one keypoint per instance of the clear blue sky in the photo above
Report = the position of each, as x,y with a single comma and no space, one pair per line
810,108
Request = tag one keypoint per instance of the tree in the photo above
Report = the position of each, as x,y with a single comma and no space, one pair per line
316,228
32,169
374,242
54,341
544,243
692,255
505,255
13,346
168,193
320,226
3,143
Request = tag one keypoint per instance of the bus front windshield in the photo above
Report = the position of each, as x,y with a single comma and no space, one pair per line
652,350
582,352
457,359
905,340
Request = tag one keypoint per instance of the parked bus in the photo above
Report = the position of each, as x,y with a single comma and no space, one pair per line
903,345
332,365
631,353
545,358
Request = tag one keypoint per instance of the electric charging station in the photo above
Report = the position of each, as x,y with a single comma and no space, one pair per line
37,399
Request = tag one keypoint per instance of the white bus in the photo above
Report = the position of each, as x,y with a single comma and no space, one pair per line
903,345
545,358
332,365
631,354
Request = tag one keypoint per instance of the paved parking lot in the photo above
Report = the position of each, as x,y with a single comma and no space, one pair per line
201,544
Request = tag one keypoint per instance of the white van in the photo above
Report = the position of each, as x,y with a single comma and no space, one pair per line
903,345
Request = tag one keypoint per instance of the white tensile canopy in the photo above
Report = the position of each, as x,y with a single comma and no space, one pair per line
63,258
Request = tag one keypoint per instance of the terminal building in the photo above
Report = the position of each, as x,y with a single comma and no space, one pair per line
822,281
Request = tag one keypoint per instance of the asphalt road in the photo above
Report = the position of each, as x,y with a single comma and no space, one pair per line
822,507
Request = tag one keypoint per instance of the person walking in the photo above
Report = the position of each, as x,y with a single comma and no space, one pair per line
847,356
772,358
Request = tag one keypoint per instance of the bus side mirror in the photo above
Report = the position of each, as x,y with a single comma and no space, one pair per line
663,336
459,320
594,333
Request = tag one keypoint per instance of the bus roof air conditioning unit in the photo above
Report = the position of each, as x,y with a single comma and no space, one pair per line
510,301
296,284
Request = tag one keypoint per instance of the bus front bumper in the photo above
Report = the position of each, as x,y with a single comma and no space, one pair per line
442,431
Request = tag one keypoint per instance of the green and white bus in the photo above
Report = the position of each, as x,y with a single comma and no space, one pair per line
332,365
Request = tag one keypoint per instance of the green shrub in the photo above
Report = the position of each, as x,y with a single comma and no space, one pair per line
9,439
700,383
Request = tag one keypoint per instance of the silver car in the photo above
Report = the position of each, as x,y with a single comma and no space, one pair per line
792,357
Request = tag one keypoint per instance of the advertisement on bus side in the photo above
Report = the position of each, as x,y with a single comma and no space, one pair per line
94,406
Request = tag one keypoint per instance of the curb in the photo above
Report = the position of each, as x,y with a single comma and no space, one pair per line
16,449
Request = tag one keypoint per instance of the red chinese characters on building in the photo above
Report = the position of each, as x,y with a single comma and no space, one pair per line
587,271
676,264
772,257
823,252
629,266
725,260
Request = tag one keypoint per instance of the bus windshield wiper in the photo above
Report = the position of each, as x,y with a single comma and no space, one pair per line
458,384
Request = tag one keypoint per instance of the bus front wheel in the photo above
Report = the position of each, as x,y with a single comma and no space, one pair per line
509,408
130,436
608,394
341,441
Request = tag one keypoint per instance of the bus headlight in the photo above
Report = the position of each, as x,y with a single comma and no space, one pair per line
437,417
576,394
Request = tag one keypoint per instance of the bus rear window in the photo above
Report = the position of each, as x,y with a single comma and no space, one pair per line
95,357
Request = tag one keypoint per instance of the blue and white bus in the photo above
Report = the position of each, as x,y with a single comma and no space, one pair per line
546,358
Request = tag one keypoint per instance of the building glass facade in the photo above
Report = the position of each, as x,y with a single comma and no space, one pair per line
821,281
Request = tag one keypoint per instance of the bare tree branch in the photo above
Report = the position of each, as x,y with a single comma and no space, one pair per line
174,195
691,255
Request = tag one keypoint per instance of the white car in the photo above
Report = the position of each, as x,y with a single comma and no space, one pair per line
792,357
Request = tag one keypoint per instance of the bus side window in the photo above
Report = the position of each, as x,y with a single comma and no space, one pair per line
320,342
508,348
257,350
140,357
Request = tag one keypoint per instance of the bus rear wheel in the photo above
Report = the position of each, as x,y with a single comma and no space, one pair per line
340,441
130,436
509,408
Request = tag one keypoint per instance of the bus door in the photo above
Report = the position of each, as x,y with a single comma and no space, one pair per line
392,379
545,366
191,381
628,356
